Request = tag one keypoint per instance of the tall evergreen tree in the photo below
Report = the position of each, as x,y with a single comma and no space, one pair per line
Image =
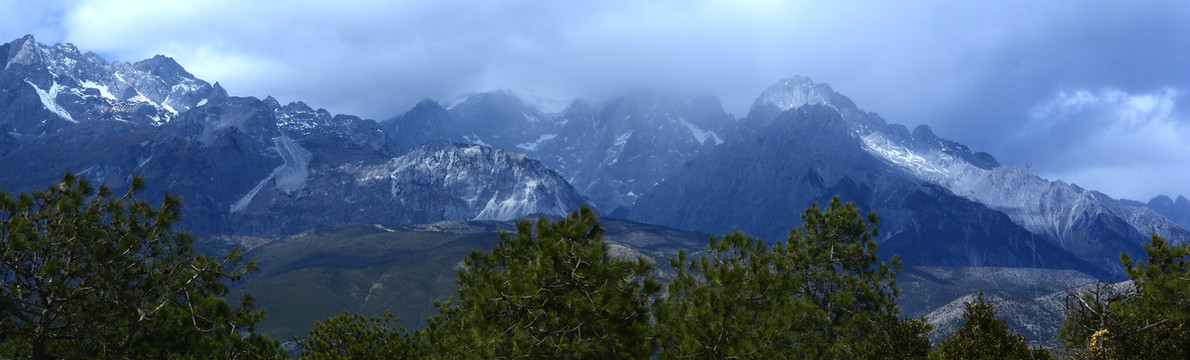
821,294
91,274
550,293
738,301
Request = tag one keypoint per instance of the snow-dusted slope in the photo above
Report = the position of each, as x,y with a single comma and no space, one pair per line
477,182
1051,208
1042,206
1082,221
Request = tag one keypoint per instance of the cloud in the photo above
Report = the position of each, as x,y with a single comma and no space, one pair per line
354,55
370,58
925,62
1130,145
20,17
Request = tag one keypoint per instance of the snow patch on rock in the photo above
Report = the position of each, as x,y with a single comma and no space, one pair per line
103,90
532,146
288,178
292,175
700,134
47,100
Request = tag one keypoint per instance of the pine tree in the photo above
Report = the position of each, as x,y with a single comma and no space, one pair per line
553,293
738,301
351,336
821,294
91,274
984,336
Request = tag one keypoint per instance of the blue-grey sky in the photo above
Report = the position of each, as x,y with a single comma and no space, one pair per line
1091,92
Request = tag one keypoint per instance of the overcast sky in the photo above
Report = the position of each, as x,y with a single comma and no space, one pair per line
1091,92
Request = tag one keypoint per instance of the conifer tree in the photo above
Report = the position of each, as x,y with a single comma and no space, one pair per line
821,294
984,336
738,301
551,293
351,336
89,274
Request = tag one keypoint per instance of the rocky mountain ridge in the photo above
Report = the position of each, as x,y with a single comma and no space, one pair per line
52,88
245,166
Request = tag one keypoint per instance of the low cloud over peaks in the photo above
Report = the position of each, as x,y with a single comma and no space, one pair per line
1124,144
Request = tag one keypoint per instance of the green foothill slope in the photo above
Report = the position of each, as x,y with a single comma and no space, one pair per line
360,268
369,269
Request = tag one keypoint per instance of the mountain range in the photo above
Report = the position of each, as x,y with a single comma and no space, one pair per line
651,158
244,166
251,167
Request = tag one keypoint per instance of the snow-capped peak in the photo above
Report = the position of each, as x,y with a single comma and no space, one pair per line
26,53
799,91
82,87
795,92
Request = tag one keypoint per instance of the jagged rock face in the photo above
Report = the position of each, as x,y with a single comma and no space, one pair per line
612,152
50,89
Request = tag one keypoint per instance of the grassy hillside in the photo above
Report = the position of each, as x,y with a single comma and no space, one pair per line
321,273
369,268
